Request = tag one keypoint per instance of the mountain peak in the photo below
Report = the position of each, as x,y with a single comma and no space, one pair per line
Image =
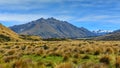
52,28
51,18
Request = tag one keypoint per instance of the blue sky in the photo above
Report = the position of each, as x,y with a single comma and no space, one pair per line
91,14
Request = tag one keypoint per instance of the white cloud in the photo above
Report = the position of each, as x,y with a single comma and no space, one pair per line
100,18
24,18
25,4
27,1
92,18
20,17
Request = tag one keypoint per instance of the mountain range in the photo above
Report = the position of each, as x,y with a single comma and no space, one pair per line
115,35
52,28
101,32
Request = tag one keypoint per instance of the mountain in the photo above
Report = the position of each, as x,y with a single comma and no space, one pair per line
115,35
8,35
116,31
52,28
101,32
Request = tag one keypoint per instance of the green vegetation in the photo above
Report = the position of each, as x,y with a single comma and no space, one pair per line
55,39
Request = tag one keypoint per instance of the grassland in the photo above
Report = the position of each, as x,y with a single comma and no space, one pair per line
60,54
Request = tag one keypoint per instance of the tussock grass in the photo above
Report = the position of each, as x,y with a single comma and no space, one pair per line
60,54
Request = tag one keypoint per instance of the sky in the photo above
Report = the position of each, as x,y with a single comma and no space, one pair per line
91,14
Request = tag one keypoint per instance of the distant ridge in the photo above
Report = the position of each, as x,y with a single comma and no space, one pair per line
8,35
111,36
52,28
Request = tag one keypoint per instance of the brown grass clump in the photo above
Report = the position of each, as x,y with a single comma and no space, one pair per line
49,64
39,52
75,61
10,52
10,58
117,63
76,56
97,52
65,58
105,59
109,50
26,63
92,65
65,65
40,64
23,47
86,57
51,54
1,66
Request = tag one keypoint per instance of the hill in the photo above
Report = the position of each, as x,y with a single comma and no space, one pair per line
30,38
111,36
51,28
8,35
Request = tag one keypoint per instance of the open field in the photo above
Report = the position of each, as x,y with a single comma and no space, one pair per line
60,54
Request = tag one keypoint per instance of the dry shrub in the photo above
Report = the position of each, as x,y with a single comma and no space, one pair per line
2,51
75,61
10,58
109,50
1,66
23,47
97,52
76,55
26,63
40,65
86,57
105,59
65,58
65,65
11,52
54,54
39,52
92,65
49,64
7,47
117,64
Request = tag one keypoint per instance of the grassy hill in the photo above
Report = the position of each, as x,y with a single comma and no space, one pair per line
8,35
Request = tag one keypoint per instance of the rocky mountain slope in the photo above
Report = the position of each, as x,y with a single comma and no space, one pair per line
52,28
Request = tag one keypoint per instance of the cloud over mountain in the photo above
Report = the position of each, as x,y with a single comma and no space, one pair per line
100,12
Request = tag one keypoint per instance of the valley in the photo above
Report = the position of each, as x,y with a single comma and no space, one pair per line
67,46
59,33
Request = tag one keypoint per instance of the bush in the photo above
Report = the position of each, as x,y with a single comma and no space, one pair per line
97,52
65,58
10,58
105,59
65,65
117,64
11,52
86,57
